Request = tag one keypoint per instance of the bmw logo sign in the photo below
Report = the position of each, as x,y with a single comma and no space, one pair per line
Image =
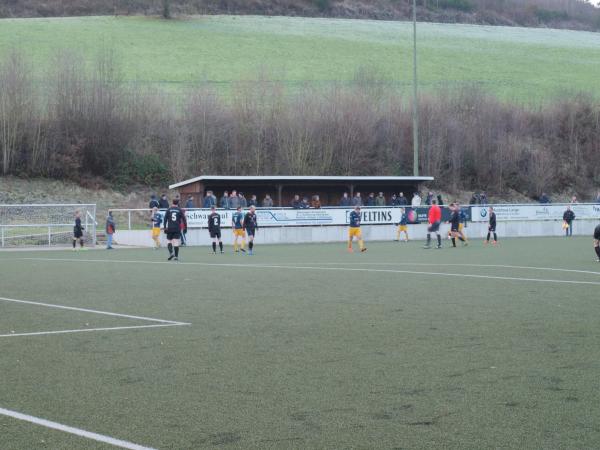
483,212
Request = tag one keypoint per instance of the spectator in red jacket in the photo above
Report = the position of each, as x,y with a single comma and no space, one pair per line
434,219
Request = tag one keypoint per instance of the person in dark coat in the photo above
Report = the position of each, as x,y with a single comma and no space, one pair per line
153,202
163,203
568,218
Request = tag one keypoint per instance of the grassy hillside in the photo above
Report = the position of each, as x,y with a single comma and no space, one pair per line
514,63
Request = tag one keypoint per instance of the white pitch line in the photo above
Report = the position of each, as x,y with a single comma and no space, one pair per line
501,266
93,311
83,330
346,269
72,430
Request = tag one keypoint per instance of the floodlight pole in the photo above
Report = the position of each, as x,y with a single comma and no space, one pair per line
415,112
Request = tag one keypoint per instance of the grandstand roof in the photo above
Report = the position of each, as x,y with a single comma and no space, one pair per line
267,179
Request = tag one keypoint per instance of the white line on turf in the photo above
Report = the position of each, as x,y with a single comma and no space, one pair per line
346,269
72,430
501,266
93,311
83,330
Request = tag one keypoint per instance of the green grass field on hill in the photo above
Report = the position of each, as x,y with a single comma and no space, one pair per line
305,346
515,63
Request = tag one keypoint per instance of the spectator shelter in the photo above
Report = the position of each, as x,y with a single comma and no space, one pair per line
283,188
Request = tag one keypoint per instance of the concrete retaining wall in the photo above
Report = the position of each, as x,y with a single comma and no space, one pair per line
293,235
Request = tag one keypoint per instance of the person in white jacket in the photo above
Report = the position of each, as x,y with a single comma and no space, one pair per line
416,200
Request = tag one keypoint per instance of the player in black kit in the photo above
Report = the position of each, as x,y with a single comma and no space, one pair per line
492,227
173,224
214,229
251,226
597,241
455,225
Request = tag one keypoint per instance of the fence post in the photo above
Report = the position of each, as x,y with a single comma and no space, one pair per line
94,238
2,235
129,219
49,236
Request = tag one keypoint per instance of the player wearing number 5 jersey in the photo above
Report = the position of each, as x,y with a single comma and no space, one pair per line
173,224
214,229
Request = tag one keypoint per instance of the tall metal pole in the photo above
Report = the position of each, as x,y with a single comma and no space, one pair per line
415,113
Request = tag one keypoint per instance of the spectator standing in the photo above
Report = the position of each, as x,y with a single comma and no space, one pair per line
111,227
190,202
357,200
243,201
483,198
295,203
568,218
163,203
393,200
267,202
416,200
304,203
439,199
371,199
209,200
402,201
474,199
429,198
345,200
253,201
224,202
153,202
316,202
574,199
234,200
544,199
380,200
598,198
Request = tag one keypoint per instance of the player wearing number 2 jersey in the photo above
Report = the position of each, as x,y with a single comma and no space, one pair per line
214,229
174,221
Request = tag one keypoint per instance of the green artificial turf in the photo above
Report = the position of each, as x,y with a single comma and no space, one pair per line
515,63
290,348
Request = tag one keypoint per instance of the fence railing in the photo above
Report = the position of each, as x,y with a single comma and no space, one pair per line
140,218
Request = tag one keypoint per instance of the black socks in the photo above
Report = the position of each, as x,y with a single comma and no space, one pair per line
220,245
170,248
250,245
428,238
214,247
439,240
597,251
176,252
453,242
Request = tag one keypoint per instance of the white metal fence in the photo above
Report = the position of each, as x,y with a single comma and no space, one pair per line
45,224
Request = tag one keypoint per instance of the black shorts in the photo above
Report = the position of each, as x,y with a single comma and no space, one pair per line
215,234
250,231
77,234
492,229
434,227
454,228
172,236
597,235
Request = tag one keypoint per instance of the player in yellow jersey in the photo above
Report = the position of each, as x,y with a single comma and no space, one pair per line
354,230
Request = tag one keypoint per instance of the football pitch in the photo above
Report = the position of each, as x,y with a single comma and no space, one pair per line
302,346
